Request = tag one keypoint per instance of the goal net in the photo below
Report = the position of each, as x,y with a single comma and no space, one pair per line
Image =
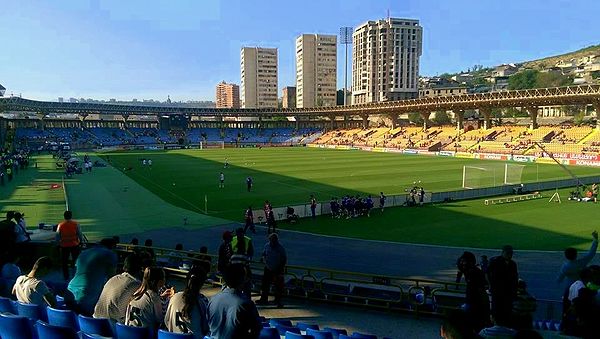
478,177
513,174
212,144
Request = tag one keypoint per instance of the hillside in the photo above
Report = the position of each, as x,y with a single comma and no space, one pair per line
553,60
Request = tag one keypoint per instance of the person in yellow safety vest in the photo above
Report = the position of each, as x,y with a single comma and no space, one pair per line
242,244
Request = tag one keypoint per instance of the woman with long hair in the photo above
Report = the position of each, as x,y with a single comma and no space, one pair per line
145,309
187,311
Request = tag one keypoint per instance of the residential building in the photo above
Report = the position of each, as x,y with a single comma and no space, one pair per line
505,70
385,60
259,77
227,95
288,99
316,70
441,91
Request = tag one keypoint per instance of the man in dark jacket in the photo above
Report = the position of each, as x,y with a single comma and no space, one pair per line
504,279
275,259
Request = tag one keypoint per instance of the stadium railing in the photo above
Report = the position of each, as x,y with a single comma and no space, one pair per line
413,295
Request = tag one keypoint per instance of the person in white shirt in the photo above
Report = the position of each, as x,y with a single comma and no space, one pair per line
188,310
30,289
221,180
118,290
150,163
585,276
145,309
21,234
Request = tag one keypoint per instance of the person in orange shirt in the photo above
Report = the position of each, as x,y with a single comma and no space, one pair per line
68,236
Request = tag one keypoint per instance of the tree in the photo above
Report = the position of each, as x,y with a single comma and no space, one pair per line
415,118
552,79
523,80
442,118
595,74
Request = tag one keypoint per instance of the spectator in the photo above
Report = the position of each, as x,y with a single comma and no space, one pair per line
69,238
93,268
231,314
225,252
249,219
503,278
271,222
203,260
175,257
148,248
571,268
117,291
30,289
523,308
585,277
145,309
275,259
188,310
7,234
455,326
500,330
21,234
10,273
242,244
477,302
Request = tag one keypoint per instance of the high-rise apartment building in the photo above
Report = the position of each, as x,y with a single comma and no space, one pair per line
228,95
316,70
288,99
385,60
259,77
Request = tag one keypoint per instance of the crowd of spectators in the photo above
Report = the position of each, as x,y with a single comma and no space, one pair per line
11,162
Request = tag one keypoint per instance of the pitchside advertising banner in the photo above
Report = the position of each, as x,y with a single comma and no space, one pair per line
446,153
491,156
523,158
574,156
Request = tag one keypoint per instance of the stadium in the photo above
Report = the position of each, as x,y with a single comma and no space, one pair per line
363,220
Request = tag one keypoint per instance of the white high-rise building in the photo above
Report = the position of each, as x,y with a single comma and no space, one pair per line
316,70
259,77
385,60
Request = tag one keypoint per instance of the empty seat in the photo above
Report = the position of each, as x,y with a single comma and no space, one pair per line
291,335
6,305
269,333
47,331
284,329
285,322
319,334
64,318
93,336
99,326
336,331
132,332
357,335
14,326
162,334
31,311
303,326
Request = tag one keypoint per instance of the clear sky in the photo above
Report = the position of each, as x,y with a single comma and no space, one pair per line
146,49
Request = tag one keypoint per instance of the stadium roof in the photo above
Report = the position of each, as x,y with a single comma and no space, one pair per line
2,90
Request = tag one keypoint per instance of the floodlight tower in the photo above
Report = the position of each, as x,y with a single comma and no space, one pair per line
346,39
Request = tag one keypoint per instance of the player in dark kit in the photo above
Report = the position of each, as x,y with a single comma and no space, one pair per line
249,183
249,218
381,201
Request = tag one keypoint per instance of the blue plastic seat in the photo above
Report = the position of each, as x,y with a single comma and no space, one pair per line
303,326
64,318
92,336
14,326
47,331
6,305
284,329
269,333
132,332
290,335
162,334
285,322
336,331
319,334
31,311
99,326
357,335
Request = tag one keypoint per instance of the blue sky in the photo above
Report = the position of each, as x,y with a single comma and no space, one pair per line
153,48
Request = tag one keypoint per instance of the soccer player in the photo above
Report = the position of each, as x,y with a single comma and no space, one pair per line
222,180
149,163
249,183
369,205
381,201
143,162
226,163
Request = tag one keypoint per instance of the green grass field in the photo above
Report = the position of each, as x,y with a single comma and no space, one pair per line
112,201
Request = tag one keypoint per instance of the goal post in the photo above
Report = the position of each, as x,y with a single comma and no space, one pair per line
212,144
478,177
513,174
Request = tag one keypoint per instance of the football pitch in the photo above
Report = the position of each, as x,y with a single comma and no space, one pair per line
190,179
127,198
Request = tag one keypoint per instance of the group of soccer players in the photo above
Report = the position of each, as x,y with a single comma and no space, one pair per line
354,206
